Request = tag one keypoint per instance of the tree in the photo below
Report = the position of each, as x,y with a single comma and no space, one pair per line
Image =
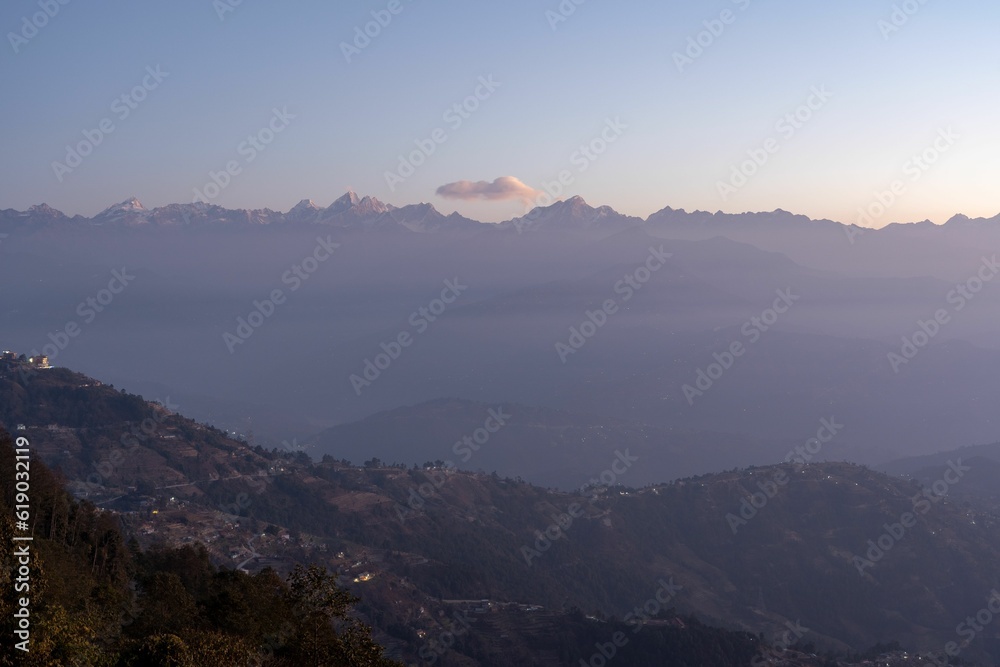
167,606
326,633
163,650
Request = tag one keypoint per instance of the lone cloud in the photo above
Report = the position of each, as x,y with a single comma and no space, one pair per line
505,187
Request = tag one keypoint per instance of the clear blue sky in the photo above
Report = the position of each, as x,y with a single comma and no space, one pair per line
607,60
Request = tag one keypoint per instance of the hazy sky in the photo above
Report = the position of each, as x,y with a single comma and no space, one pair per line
678,133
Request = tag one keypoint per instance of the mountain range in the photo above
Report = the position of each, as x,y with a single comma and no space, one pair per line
354,212
497,343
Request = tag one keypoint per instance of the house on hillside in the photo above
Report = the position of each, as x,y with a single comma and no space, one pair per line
41,361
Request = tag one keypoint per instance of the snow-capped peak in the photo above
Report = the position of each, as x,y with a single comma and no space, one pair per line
130,205
344,203
304,205
351,204
46,210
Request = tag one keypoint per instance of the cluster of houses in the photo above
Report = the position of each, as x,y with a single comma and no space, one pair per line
11,358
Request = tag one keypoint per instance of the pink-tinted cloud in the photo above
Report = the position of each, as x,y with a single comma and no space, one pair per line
505,187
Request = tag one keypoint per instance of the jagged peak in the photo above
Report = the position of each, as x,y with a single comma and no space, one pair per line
422,207
45,209
575,203
130,205
666,210
346,201
372,205
305,205
964,219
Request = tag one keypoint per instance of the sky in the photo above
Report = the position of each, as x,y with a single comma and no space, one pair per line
637,105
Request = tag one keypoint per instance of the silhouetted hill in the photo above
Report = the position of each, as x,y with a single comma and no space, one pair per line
980,486
807,554
545,446
109,443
